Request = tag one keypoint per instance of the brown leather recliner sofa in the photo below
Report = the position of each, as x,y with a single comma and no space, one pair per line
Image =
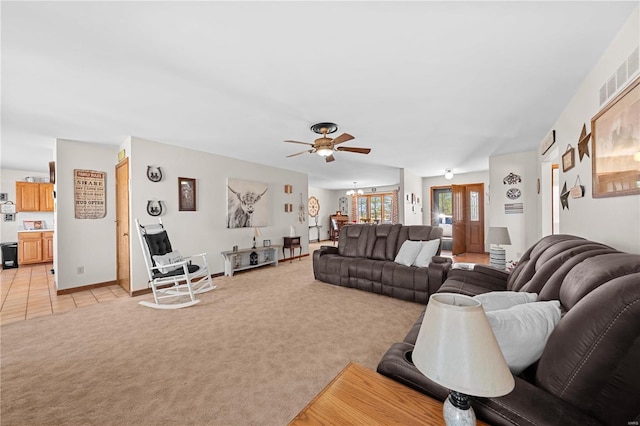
364,259
589,371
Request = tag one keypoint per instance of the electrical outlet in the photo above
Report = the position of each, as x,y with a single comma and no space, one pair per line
80,270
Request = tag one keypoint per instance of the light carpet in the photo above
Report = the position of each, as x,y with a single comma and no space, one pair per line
254,351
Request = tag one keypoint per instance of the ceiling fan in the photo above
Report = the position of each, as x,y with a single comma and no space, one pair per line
325,146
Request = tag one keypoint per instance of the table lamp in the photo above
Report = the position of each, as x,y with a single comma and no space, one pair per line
456,348
498,235
256,233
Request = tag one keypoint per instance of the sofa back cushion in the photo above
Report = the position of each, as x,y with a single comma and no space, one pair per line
353,240
418,233
547,262
382,241
591,358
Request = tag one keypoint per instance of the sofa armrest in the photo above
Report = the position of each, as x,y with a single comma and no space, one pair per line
491,271
526,405
438,270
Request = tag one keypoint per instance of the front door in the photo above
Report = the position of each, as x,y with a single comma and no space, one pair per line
474,220
122,224
459,227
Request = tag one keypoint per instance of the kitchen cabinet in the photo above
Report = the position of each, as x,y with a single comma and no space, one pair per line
35,247
34,197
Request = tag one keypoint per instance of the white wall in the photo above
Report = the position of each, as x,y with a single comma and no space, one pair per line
8,179
328,200
410,214
205,230
613,220
522,228
87,243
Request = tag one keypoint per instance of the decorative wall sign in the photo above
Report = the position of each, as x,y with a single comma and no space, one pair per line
547,142
514,208
154,207
583,142
513,193
512,179
314,206
186,194
568,158
578,190
52,171
8,207
154,174
288,189
564,197
89,195
247,203
302,211
615,132
343,203
288,208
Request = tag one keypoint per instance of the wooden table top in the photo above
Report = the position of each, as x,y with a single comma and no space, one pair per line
359,396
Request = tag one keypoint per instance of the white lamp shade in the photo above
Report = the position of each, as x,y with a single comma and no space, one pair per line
457,349
498,235
256,232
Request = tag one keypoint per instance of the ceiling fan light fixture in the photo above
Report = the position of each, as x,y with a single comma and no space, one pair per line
448,174
324,152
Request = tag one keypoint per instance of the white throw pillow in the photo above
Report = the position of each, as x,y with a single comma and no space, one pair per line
522,331
408,252
168,259
495,300
427,251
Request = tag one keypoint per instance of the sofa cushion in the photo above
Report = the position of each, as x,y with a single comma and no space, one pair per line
522,331
382,241
353,240
408,252
426,253
496,300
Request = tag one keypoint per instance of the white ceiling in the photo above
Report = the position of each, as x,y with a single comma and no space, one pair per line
426,85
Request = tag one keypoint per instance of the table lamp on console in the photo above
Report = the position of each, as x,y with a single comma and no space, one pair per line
498,235
456,348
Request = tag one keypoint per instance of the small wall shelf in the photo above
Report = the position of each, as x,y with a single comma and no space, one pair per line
239,260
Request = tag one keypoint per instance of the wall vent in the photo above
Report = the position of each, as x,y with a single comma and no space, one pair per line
625,72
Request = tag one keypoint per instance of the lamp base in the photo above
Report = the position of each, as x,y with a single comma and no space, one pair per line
497,257
454,415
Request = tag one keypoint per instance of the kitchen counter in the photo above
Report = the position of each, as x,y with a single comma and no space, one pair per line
35,230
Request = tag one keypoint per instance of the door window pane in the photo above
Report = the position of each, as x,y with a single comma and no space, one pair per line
474,205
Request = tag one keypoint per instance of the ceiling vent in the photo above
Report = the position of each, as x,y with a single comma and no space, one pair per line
627,70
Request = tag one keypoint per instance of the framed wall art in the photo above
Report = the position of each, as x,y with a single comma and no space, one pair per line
615,135
186,194
569,159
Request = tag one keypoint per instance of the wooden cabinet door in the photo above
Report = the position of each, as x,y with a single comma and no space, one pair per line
27,197
47,246
46,197
29,248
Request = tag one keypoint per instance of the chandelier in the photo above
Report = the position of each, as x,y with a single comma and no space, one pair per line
355,191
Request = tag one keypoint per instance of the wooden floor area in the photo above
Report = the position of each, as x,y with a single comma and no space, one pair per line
29,291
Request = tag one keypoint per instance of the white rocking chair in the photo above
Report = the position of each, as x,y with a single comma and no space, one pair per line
172,277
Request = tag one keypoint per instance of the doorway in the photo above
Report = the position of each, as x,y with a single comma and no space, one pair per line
459,209
122,225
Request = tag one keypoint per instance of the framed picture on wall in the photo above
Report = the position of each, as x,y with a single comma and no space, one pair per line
615,135
186,194
568,159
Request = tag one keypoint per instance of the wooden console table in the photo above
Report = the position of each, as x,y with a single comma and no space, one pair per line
240,260
292,243
359,396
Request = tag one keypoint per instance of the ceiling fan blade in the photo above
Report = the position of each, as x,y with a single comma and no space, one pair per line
342,138
303,143
356,150
298,153
330,158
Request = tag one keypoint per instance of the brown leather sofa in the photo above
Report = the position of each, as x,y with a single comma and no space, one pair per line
364,259
589,372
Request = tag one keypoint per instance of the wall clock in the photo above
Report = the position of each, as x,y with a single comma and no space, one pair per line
343,204
314,206
513,193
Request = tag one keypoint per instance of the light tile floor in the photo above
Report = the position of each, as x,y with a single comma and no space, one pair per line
30,291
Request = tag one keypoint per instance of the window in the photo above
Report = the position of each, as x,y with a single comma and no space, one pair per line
375,208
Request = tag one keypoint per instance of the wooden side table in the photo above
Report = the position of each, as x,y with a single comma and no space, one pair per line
292,243
359,396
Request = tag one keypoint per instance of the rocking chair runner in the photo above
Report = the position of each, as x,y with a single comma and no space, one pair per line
172,277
